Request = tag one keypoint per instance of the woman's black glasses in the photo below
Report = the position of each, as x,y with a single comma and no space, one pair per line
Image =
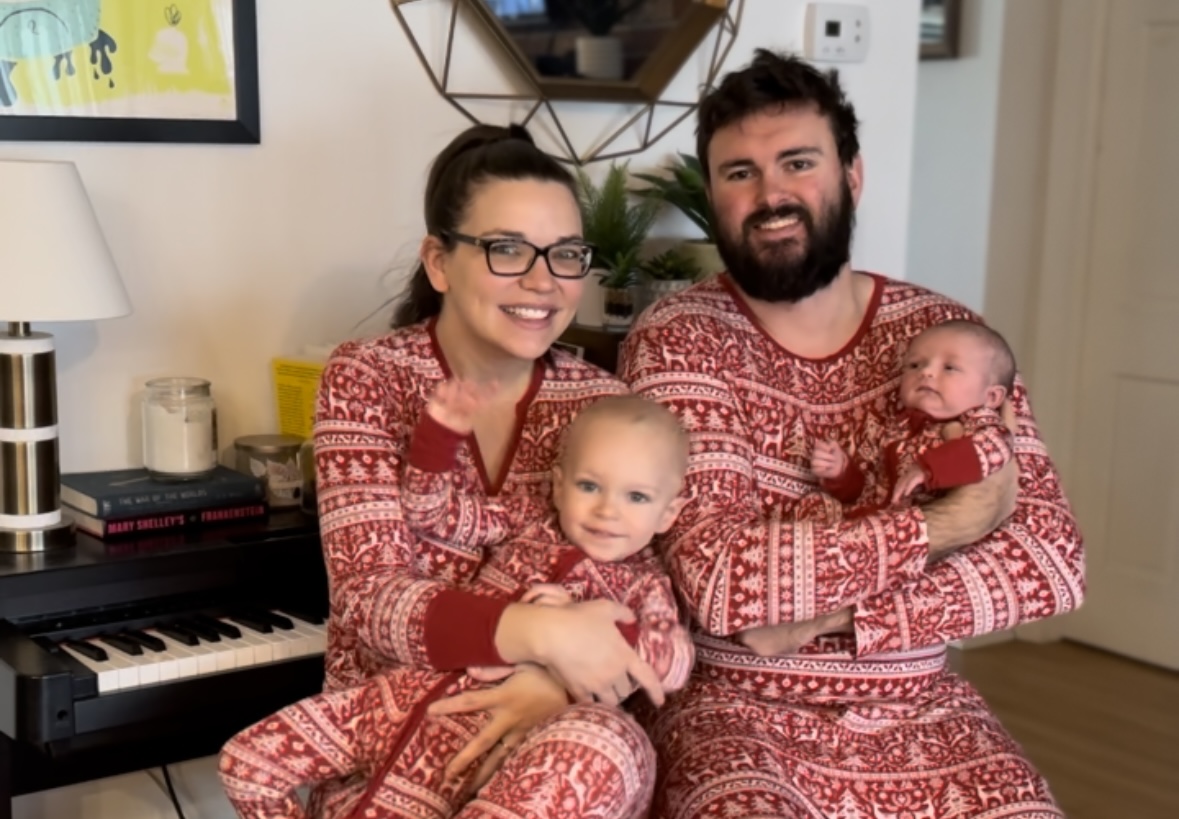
515,257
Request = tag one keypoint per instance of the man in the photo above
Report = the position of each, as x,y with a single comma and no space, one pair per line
820,687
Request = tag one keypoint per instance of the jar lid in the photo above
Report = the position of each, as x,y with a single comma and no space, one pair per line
179,385
269,444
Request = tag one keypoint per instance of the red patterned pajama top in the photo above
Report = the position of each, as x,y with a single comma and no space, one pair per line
388,611
865,724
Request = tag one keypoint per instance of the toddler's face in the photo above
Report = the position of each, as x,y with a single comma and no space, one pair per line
946,373
617,489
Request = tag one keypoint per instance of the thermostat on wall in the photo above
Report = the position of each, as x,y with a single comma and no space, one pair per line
836,32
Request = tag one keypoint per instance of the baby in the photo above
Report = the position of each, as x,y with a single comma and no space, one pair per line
955,379
616,486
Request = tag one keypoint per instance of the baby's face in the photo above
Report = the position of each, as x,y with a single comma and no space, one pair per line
617,489
946,373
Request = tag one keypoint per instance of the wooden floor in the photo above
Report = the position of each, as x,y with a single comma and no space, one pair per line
1103,730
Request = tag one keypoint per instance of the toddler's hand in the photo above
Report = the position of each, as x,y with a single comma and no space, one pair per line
547,594
828,460
907,484
456,403
491,673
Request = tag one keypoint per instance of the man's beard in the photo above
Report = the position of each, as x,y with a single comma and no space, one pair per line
781,271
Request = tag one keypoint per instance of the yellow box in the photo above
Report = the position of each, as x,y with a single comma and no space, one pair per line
296,387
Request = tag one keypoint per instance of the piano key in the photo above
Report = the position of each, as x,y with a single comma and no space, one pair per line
107,674
168,661
252,623
242,649
143,663
316,635
263,648
179,635
128,672
145,640
187,661
312,639
274,618
128,647
223,651
208,635
92,651
298,614
220,626
206,654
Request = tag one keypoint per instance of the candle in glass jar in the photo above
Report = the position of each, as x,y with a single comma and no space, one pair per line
179,428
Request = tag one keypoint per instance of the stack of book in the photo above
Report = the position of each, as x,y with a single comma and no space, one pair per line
129,502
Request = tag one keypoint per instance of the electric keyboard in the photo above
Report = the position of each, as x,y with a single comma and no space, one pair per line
124,655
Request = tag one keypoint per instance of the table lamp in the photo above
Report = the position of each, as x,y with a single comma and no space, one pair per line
54,266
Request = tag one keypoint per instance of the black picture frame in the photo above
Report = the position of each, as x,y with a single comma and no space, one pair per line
940,24
245,128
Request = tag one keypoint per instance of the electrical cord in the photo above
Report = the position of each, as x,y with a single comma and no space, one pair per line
172,792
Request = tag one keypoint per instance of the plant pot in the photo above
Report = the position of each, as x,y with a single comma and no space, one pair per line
589,309
619,306
658,288
599,58
706,255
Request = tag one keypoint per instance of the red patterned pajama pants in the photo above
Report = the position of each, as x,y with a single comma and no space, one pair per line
723,754
587,762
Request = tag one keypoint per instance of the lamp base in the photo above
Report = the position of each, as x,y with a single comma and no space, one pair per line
45,539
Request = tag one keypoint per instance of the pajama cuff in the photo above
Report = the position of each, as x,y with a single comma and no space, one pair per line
847,487
881,624
460,630
954,463
434,447
881,621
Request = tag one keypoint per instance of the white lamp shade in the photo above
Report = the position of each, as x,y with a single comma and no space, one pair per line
54,261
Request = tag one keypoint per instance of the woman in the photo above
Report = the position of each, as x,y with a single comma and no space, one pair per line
502,269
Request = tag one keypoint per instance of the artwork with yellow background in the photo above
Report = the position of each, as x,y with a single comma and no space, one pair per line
168,59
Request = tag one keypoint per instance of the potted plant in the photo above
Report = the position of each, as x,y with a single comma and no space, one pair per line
616,226
668,272
683,188
599,55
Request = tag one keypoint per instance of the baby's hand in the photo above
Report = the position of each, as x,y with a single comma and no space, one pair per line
456,403
828,460
907,484
952,430
547,594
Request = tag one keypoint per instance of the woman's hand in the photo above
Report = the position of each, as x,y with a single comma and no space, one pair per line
456,403
516,706
580,644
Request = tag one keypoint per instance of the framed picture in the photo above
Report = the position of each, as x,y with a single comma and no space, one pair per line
940,20
129,71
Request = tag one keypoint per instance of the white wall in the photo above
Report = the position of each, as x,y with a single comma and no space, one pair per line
232,254
954,159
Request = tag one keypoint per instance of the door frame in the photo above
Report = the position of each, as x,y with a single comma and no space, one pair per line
1041,303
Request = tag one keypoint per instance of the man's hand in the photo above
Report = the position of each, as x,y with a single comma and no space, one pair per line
788,638
907,484
970,513
828,460
456,403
